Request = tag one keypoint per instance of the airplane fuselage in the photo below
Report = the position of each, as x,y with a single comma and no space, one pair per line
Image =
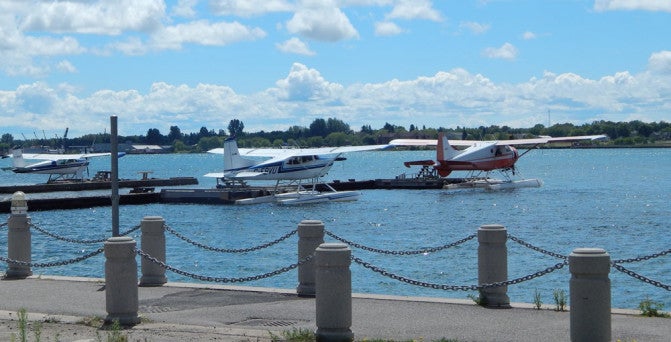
295,168
486,156
60,167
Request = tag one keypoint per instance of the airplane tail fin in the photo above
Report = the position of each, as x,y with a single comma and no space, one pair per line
232,159
17,158
445,151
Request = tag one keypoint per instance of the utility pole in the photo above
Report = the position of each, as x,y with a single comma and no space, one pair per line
115,175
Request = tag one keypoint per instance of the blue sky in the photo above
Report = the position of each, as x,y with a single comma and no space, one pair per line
277,63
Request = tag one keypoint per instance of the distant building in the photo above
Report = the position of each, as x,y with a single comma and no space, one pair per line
134,148
149,149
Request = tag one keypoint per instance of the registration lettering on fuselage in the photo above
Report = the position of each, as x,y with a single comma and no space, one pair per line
269,169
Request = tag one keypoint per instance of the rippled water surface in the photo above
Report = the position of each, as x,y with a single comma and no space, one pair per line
616,199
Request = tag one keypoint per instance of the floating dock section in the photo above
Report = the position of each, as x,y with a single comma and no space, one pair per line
200,196
87,185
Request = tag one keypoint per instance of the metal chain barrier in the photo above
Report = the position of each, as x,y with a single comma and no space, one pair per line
457,287
640,277
643,258
381,251
3,224
219,279
224,250
56,263
45,232
537,249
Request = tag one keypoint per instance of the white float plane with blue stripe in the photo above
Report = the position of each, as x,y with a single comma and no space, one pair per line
285,164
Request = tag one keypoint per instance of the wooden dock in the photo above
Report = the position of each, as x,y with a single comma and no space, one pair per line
86,185
208,196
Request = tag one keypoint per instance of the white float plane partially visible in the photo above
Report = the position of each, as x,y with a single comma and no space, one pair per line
57,166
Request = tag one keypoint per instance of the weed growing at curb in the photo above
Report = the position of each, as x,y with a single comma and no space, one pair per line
479,300
294,335
23,328
650,308
538,303
560,299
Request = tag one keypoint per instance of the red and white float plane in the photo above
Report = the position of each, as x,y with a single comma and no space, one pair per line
483,156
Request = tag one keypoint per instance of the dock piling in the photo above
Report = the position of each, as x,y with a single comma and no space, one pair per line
19,239
121,291
493,265
310,236
333,300
590,295
152,242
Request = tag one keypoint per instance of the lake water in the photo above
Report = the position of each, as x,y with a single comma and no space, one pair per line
615,199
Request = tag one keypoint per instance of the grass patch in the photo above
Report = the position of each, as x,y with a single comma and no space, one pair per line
294,335
538,302
650,308
560,300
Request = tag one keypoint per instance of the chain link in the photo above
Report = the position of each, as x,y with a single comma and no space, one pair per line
223,250
62,238
3,224
640,277
53,264
381,251
457,287
537,249
219,279
643,258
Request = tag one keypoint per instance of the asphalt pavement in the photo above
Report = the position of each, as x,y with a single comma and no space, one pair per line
68,309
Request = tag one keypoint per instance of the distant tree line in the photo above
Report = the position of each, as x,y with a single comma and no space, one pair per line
335,132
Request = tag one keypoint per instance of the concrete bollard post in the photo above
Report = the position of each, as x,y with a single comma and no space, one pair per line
493,265
153,243
310,236
19,238
121,291
333,281
590,295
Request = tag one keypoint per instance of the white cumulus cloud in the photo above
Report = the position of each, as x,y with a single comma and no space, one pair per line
387,28
528,35
203,32
414,9
295,45
645,5
247,8
506,51
660,62
108,17
304,84
328,24
474,27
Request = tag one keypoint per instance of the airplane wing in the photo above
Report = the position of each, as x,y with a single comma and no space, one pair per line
530,141
431,142
284,153
545,140
49,156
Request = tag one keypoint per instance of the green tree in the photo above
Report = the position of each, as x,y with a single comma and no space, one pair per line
179,147
7,139
318,128
208,143
334,125
235,128
154,136
175,134
337,139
